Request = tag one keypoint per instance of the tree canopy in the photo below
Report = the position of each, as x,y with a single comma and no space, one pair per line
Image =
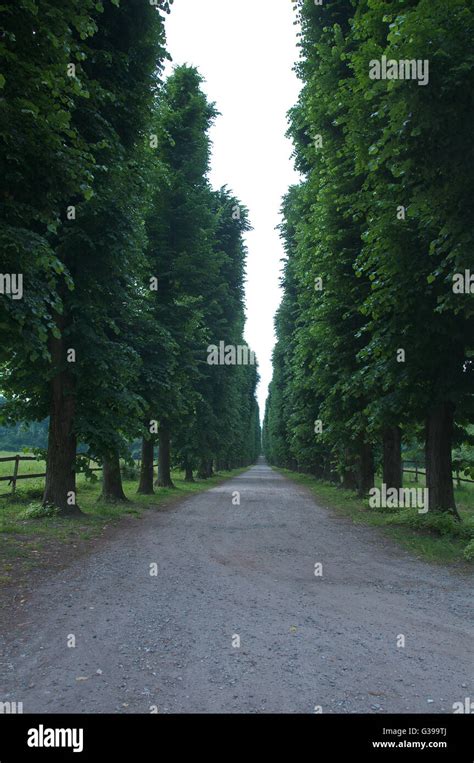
374,343
130,264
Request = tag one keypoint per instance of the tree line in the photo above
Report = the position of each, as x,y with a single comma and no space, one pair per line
375,333
127,265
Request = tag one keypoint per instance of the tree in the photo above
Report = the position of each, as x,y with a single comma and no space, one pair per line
97,239
326,419
180,226
381,228
410,205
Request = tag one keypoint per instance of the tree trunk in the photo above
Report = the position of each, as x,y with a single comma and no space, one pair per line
202,470
439,467
316,468
112,490
188,472
146,471
329,473
349,480
60,485
164,458
349,476
392,457
205,469
365,470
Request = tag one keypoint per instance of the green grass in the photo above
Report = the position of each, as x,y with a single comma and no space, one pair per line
432,536
28,541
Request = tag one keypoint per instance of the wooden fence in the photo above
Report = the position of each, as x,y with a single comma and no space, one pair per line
12,479
419,469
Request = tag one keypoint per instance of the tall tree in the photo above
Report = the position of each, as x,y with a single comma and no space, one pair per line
180,227
85,378
383,230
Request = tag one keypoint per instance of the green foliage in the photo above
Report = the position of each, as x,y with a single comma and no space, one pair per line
442,523
469,551
106,171
44,160
365,149
39,511
195,248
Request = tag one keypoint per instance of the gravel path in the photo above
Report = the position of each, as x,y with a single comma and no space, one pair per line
228,572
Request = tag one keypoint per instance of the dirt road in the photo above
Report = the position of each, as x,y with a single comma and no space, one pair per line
243,573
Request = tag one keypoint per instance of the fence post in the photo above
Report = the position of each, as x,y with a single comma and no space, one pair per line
458,478
15,473
416,472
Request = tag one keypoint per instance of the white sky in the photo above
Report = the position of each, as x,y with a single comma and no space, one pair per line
245,50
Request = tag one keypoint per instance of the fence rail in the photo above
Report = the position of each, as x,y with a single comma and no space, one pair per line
419,469
20,458
12,479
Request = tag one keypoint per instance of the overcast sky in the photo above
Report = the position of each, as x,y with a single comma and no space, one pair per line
245,50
